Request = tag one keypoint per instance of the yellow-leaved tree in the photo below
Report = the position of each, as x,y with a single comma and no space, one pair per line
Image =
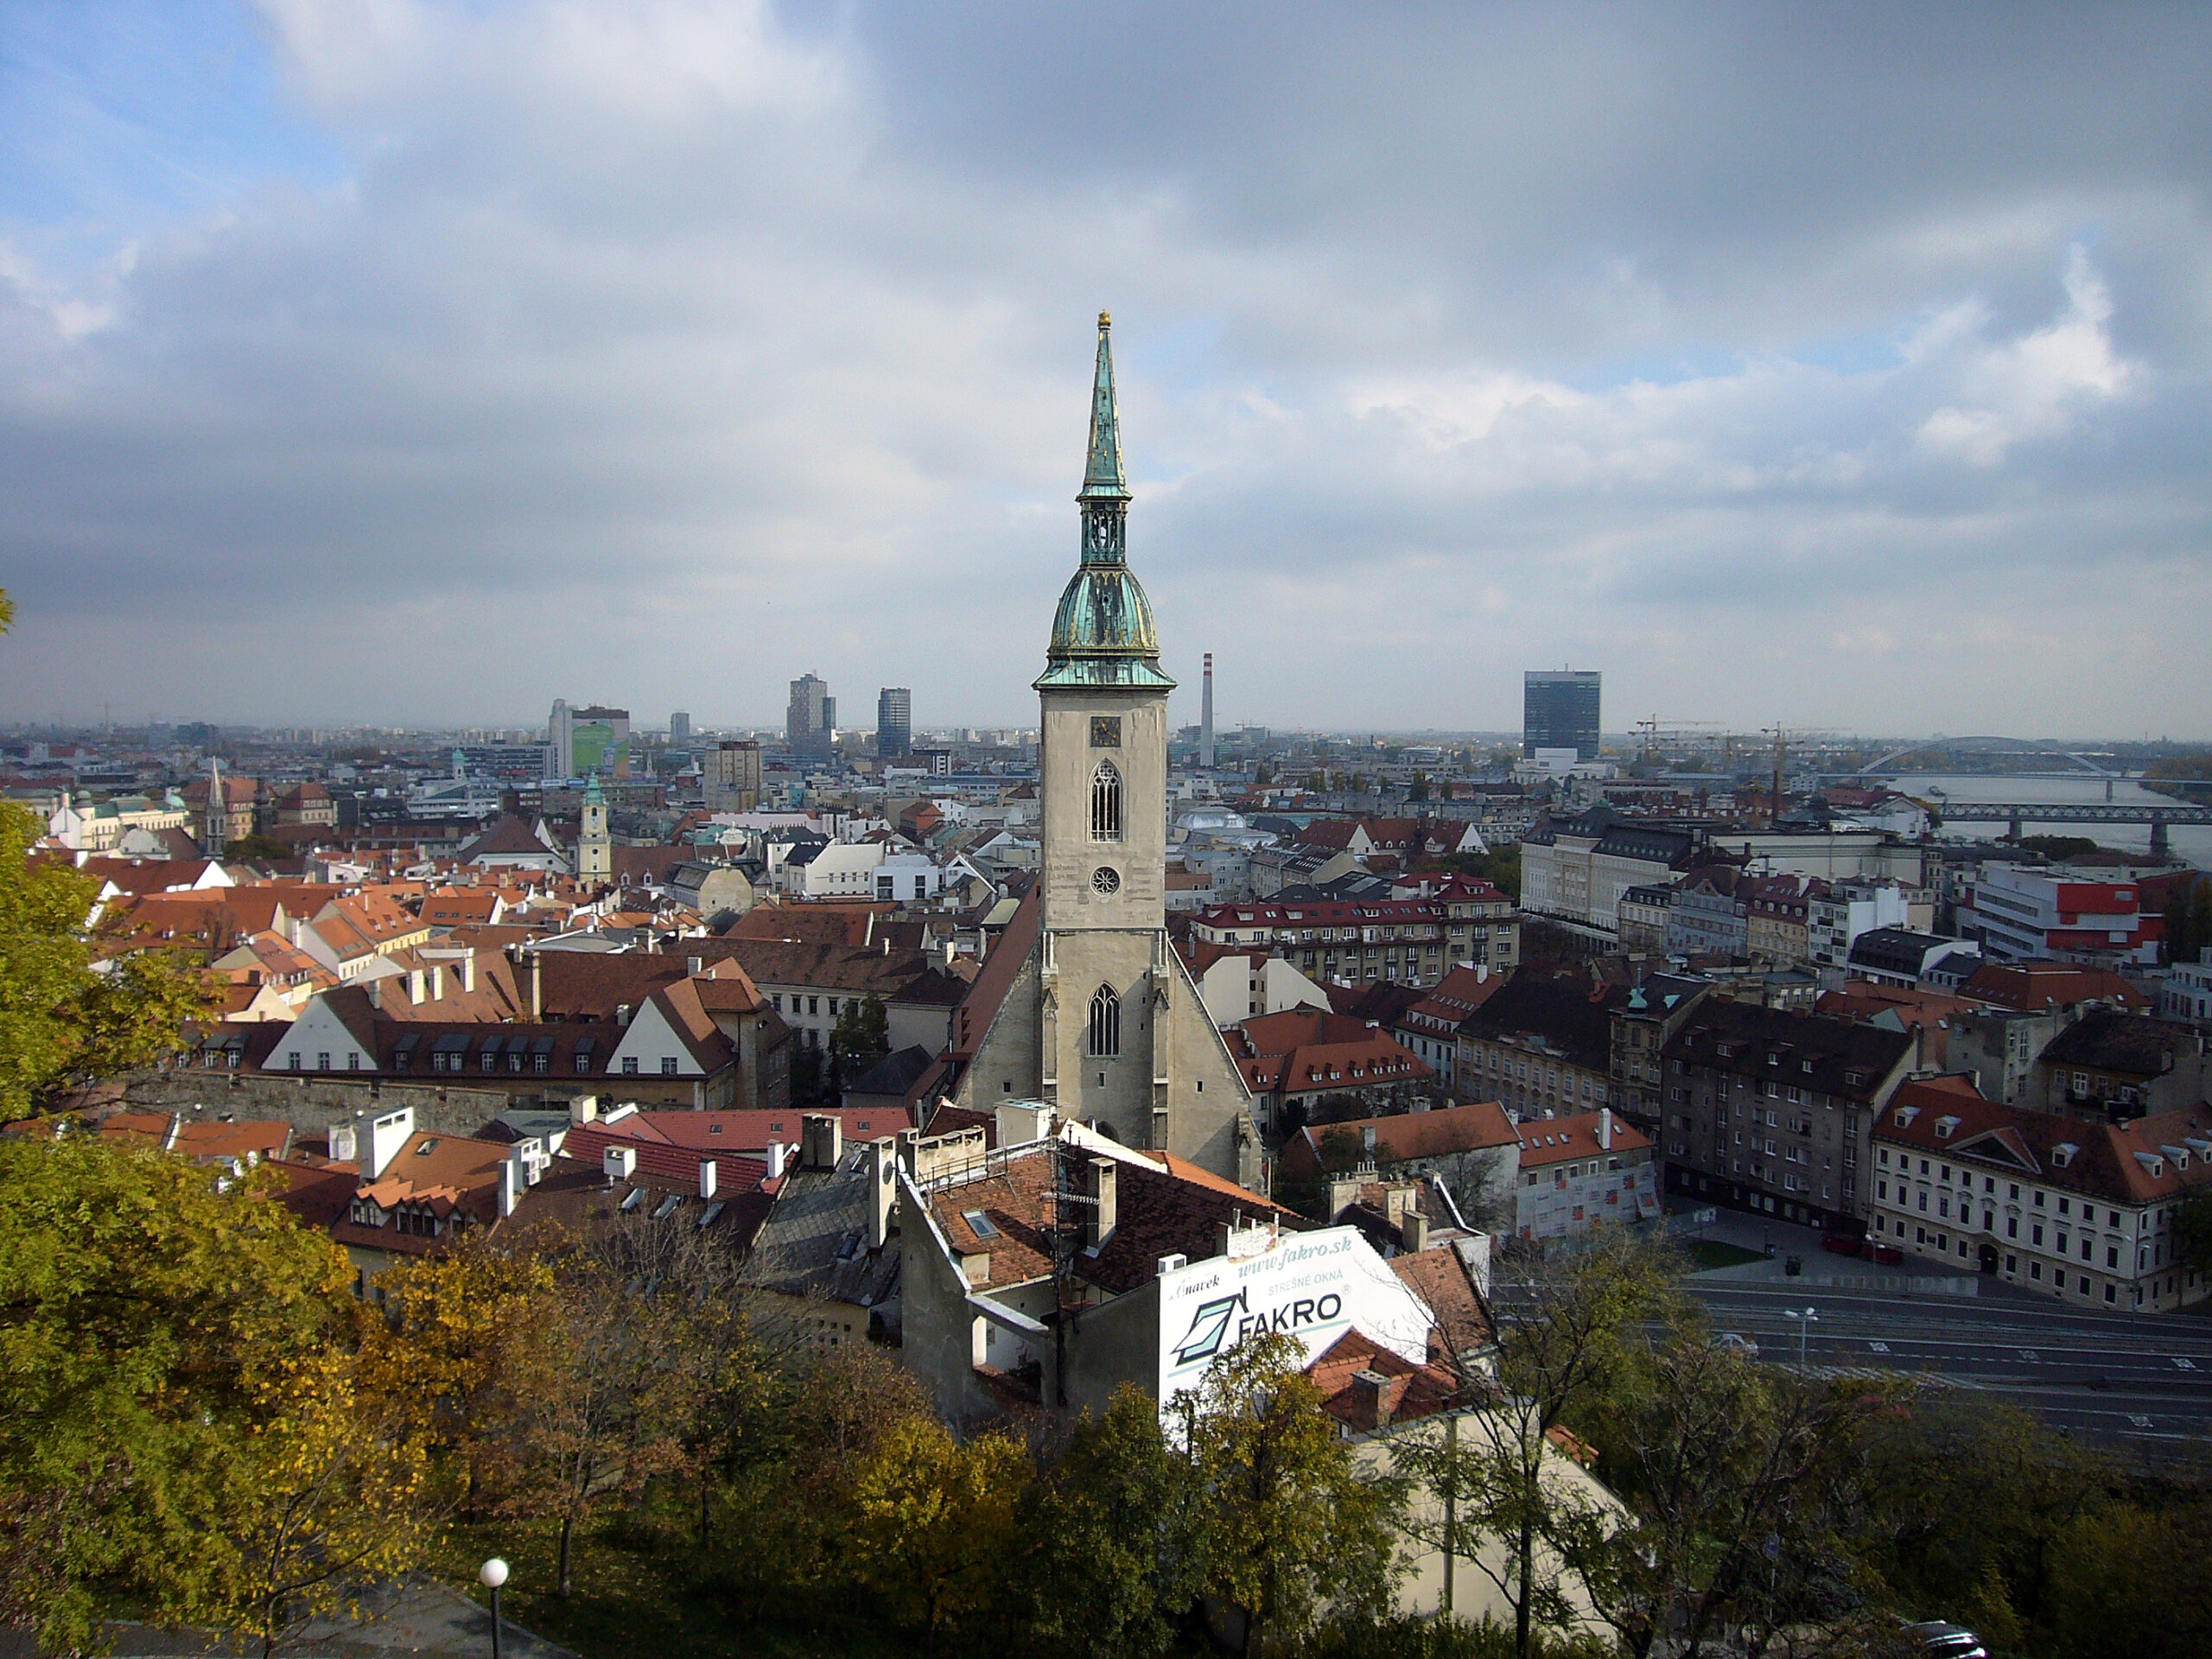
327,1496
936,1523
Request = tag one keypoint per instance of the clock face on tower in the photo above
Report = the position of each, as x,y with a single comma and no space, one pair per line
1105,731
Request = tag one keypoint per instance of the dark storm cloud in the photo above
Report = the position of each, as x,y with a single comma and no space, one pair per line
1845,363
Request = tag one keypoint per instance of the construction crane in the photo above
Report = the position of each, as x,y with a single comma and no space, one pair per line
1653,730
1781,757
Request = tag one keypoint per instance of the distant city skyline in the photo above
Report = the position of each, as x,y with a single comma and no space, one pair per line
710,345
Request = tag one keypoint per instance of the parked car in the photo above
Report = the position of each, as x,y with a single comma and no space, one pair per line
1942,1640
1888,1254
1734,1343
1842,1243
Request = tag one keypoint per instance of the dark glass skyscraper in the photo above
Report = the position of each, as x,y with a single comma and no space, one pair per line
894,722
1559,710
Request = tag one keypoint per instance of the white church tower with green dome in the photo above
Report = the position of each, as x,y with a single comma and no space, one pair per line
1103,1021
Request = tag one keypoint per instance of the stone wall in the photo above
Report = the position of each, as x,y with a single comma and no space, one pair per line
314,1102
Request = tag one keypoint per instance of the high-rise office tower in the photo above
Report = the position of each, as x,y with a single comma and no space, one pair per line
810,722
679,730
560,742
1205,717
733,775
894,723
1559,710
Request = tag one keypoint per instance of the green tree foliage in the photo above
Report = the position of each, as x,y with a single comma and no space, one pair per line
2188,919
2192,1225
1499,866
2056,848
61,1023
258,847
147,1310
1735,1475
2129,1582
1117,1560
1294,1528
860,1038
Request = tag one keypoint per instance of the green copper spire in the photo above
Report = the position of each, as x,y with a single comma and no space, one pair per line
1103,633
1102,477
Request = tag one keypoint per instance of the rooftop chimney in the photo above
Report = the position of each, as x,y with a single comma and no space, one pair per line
822,1141
468,973
584,1109
1605,1127
513,1180
1375,1398
387,1134
775,1160
620,1163
1413,1232
694,965
1098,1227
416,980
709,1177
437,981
341,1143
882,1189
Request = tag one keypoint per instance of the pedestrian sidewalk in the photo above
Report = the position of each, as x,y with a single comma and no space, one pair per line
417,1616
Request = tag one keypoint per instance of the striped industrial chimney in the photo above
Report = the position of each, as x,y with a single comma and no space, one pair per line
1205,718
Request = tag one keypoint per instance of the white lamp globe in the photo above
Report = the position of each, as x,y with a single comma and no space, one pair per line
492,1573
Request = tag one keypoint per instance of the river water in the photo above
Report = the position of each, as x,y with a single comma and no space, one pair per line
2190,840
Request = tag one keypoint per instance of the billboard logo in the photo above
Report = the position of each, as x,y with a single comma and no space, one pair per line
1209,1324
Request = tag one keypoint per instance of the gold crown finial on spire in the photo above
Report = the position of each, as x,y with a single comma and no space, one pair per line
1105,319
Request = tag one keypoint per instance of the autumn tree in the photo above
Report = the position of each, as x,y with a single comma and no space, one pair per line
936,1532
465,1342
325,1497
610,1414
1564,1332
149,1306
1117,1558
1738,1483
62,1025
1293,1527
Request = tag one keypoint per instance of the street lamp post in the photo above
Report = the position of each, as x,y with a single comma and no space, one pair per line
1805,1318
494,1573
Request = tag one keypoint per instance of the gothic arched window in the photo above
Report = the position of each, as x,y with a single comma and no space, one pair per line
1106,803
1105,1021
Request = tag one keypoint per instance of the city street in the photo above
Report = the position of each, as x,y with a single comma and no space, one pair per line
2129,1378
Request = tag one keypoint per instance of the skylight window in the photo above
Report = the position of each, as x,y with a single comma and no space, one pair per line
979,1223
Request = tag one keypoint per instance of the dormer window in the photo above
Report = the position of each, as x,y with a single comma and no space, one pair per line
1944,1126
2063,1154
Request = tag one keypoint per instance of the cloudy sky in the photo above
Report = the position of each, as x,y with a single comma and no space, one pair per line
401,361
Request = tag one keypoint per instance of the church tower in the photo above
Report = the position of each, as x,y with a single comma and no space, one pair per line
595,847
1124,1042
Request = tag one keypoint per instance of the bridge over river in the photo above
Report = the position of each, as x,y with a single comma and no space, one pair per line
2015,814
